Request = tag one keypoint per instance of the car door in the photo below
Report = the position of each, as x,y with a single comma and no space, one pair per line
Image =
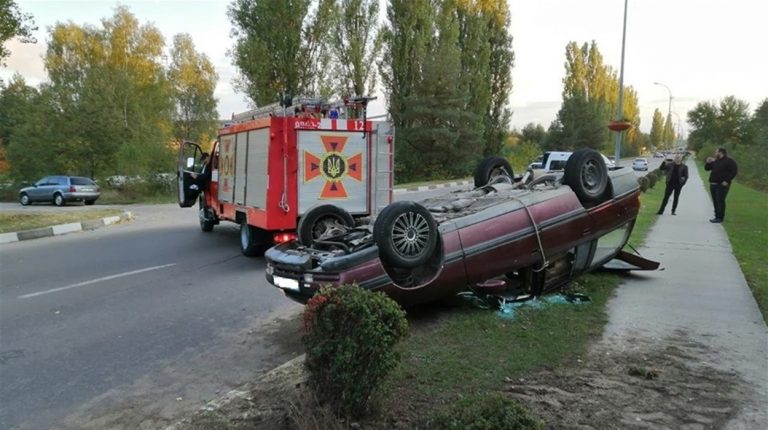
37,194
188,162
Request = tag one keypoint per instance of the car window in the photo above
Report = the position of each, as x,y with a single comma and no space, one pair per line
81,181
59,180
42,182
610,244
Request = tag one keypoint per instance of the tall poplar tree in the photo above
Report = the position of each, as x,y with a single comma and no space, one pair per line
595,87
657,130
279,46
355,45
669,132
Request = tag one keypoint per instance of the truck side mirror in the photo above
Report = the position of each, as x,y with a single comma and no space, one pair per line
190,162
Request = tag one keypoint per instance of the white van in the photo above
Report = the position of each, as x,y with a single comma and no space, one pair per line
554,161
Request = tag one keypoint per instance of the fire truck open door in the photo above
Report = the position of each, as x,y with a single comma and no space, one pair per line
187,163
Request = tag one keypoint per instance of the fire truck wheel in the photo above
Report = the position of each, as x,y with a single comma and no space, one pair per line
253,240
406,234
587,174
493,169
321,221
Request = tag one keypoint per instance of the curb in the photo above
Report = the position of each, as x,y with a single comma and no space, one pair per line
60,229
431,187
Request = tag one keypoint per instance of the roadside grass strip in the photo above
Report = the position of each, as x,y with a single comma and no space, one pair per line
15,221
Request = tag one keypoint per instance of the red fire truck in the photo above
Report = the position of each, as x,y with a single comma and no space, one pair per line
292,170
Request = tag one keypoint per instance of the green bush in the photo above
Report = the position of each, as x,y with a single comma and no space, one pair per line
485,412
644,183
652,179
350,337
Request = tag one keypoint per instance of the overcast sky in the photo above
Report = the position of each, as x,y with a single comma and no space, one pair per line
703,50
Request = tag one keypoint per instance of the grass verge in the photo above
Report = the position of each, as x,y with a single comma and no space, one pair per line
747,228
10,222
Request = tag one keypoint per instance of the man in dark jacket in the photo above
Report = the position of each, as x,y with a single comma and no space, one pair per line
722,170
677,175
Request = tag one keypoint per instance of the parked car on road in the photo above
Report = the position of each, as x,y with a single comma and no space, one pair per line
533,236
60,190
640,164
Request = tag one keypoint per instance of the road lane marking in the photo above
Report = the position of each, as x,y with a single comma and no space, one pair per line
93,281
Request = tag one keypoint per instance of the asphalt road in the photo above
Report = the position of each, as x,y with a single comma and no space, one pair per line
135,324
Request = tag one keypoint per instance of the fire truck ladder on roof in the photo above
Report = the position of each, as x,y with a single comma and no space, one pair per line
306,107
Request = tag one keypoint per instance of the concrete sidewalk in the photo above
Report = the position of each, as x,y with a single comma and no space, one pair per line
699,294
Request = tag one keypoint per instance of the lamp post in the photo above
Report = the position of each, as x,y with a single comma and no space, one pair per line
669,109
619,128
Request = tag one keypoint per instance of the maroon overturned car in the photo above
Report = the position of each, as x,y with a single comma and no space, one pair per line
534,235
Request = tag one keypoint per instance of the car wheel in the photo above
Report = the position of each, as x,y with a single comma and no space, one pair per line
206,221
253,240
89,202
406,234
58,199
24,199
491,168
320,221
586,173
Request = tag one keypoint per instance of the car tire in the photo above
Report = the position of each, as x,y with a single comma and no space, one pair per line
319,220
58,199
253,240
586,173
89,202
490,168
406,234
24,199
206,224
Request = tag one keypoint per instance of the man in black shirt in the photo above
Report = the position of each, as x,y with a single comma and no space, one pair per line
677,175
722,171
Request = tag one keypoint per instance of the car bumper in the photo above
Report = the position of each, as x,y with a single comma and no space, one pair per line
81,196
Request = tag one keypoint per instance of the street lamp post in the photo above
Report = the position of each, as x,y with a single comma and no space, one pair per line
619,107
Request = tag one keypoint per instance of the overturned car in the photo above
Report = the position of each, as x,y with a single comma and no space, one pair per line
534,235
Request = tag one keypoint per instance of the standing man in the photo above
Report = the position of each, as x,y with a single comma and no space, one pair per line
722,171
677,175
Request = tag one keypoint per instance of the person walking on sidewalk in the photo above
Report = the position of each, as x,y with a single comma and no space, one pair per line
677,175
722,170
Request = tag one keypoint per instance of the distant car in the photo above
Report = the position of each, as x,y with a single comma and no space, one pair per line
658,155
61,190
640,164
535,237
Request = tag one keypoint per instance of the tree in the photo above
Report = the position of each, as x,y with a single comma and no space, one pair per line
587,78
14,23
355,45
580,123
193,79
657,130
669,132
16,104
110,94
728,123
759,124
279,46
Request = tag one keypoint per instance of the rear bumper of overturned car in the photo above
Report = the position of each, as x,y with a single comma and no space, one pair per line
299,276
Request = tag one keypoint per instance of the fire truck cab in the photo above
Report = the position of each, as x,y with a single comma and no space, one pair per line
291,170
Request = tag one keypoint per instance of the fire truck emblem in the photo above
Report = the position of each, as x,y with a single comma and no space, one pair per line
333,166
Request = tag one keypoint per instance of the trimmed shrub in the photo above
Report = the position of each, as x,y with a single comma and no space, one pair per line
652,179
485,412
350,337
644,183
